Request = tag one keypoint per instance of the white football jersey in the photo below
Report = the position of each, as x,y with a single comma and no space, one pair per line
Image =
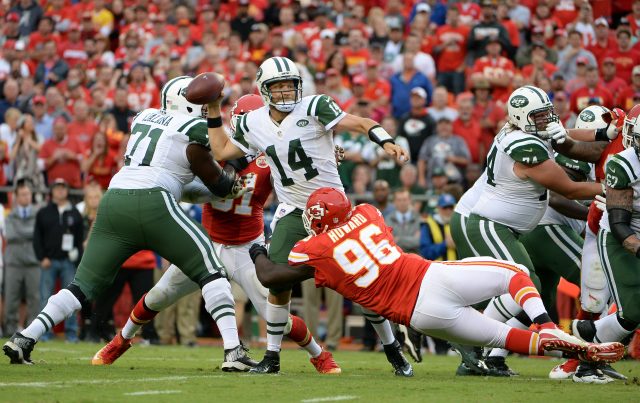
623,172
156,154
299,150
471,196
552,216
505,198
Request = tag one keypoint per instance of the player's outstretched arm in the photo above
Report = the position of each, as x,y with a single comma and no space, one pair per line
550,175
377,134
272,274
568,208
220,182
221,147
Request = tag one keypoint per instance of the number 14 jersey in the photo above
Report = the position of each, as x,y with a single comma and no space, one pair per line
361,261
299,150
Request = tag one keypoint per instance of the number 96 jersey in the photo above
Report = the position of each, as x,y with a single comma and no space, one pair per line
238,221
299,150
361,261
156,151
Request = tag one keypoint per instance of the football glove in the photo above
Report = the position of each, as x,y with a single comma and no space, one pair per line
556,132
601,202
257,250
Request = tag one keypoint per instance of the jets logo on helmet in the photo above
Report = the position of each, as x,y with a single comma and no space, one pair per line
172,98
278,69
593,117
587,116
530,109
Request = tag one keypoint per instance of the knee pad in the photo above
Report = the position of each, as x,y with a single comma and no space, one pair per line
218,299
77,292
159,298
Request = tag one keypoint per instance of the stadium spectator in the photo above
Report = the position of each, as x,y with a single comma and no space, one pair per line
243,22
451,51
378,89
626,98
592,93
444,150
495,68
423,62
487,29
417,125
57,242
634,18
99,163
469,129
11,29
361,181
61,156
10,91
603,41
24,155
405,222
381,194
502,15
610,79
440,106
435,234
44,33
386,167
439,182
121,111
575,52
51,70
580,78
356,52
545,19
562,104
624,55
354,155
469,11
30,13
336,89
539,67
22,274
82,127
519,14
42,120
404,82
393,47
486,111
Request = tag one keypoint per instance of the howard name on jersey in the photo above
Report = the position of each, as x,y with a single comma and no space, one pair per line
623,172
299,150
361,261
507,199
238,221
156,151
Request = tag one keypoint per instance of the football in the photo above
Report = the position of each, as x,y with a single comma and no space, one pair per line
205,88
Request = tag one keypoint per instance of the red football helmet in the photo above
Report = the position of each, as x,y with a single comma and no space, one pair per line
244,104
327,208
629,123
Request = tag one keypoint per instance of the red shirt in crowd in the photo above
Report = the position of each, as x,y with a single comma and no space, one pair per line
494,67
67,168
549,69
615,87
143,260
82,132
624,62
580,98
471,132
599,52
452,56
102,169
625,99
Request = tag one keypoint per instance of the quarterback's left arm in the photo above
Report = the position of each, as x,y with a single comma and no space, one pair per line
273,274
377,134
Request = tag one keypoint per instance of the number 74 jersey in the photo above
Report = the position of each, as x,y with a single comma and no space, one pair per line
299,150
361,261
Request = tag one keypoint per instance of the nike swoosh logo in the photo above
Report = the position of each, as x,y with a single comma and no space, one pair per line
528,151
407,371
612,170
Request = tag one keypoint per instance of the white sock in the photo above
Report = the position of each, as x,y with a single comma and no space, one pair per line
608,329
533,307
277,318
381,326
219,303
313,348
501,352
59,307
130,329
502,308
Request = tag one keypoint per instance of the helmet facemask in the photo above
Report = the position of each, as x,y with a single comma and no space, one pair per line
278,98
538,119
627,133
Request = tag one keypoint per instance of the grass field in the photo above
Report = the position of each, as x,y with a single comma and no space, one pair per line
176,374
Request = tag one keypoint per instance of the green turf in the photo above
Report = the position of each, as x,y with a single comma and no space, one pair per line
177,374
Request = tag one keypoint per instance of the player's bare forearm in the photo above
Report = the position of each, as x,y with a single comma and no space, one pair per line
589,151
569,208
221,147
353,123
273,274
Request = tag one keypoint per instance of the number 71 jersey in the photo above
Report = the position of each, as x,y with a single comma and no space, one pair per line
361,261
299,150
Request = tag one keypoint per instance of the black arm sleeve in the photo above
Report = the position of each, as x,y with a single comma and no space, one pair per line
238,164
619,221
224,184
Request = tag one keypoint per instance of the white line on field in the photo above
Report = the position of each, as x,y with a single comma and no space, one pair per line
153,392
329,399
101,381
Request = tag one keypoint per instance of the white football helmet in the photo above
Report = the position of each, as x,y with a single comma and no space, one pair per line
276,69
630,122
592,117
524,104
172,98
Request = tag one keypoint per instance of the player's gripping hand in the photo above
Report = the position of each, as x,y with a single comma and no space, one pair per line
601,202
257,250
400,154
241,186
615,120
556,132
339,153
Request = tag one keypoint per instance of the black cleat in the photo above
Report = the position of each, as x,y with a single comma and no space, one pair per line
608,370
472,362
270,364
238,360
583,329
498,367
412,341
19,349
400,364
589,372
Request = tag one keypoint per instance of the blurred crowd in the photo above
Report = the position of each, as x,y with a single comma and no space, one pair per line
435,73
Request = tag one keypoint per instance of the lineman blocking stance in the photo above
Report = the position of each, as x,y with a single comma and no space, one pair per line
234,225
139,211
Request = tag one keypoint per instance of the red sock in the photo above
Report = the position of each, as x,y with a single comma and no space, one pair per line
299,331
523,342
141,314
521,288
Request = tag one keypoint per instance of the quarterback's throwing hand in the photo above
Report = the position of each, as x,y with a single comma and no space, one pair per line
400,154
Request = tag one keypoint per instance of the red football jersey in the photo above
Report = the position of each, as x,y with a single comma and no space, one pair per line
238,221
361,261
614,147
